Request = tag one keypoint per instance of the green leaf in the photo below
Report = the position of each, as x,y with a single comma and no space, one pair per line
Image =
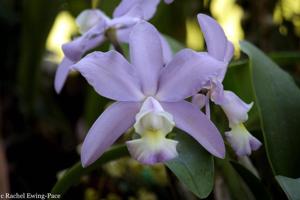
194,166
277,100
254,184
73,175
290,186
236,185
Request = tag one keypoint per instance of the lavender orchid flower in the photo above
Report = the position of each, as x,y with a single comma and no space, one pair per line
150,96
235,109
95,28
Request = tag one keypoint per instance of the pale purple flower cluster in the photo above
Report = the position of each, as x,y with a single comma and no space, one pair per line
151,91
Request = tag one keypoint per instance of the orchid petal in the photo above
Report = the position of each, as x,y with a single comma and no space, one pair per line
111,124
75,49
217,92
167,52
241,140
62,74
229,51
111,76
148,7
235,109
153,124
89,18
146,55
152,153
123,22
186,74
215,38
123,34
188,118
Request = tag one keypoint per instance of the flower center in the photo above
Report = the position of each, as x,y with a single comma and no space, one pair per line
153,123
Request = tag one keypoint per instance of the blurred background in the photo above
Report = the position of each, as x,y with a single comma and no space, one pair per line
41,130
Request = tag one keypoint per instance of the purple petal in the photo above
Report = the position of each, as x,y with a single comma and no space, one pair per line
215,38
217,92
148,7
167,52
111,76
75,49
188,118
146,55
235,109
112,123
147,153
62,74
123,34
229,51
89,18
186,74
242,142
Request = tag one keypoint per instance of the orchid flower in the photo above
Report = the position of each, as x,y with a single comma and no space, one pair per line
150,96
235,109
95,28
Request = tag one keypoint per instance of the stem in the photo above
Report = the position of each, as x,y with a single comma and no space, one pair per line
111,36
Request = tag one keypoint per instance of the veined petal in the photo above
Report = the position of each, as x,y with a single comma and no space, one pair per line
188,118
153,124
62,74
241,140
111,124
111,76
235,109
148,7
75,49
186,74
89,18
146,55
215,38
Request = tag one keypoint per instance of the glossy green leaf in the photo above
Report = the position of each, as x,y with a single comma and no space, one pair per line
73,175
277,99
194,166
290,186
237,187
254,184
